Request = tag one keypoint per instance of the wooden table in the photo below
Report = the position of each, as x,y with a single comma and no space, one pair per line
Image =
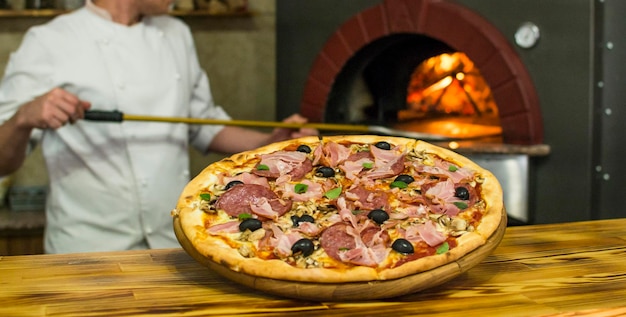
540,270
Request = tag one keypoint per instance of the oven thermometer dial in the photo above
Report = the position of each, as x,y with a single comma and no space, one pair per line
527,35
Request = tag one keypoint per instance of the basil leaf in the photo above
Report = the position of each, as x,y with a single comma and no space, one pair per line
460,204
443,248
398,184
300,188
368,165
206,197
333,193
244,216
452,168
262,167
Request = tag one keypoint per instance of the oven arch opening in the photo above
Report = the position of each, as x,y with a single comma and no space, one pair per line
380,71
415,83
454,25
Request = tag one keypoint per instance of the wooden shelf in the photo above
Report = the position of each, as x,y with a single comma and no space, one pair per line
203,13
49,13
45,13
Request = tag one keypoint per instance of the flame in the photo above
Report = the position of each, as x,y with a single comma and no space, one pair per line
448,84
448,95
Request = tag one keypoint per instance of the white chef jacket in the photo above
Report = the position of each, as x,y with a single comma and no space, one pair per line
113,185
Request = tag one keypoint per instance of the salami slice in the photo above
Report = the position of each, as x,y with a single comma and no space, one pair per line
335,238
240,199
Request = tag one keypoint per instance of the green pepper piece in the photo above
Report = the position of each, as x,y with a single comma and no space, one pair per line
300,188
460,204
443,248
398,184
333,193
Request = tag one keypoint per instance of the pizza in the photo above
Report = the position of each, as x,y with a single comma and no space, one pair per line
339,209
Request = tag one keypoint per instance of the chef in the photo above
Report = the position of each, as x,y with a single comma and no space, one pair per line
112,185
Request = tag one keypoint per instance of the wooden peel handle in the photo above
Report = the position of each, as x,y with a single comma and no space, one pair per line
117,116
107,116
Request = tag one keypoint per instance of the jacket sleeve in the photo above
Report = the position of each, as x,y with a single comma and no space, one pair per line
201,103
28,74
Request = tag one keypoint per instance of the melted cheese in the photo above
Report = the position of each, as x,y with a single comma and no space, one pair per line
324,216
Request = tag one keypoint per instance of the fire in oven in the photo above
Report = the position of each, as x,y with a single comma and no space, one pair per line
413,83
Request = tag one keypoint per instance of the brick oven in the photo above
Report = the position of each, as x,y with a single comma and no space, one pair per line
551,79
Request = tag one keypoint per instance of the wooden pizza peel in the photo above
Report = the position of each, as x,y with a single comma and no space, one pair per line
356,291
117,116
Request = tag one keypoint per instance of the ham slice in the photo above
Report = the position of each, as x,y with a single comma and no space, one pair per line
308,228
334,154
282,163
261,207
387,163
442,192
281,242
314,191
426,232
353,168
443,199
361,254
366,199
345,213
442,169
228,227
318,154
430,235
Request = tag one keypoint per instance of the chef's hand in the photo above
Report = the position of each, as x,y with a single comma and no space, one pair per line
281,134
52,110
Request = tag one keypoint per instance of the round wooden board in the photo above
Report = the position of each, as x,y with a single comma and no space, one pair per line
351,291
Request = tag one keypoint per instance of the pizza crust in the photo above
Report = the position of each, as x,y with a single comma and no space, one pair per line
215,249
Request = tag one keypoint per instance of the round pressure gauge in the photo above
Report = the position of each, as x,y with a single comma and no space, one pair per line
527,35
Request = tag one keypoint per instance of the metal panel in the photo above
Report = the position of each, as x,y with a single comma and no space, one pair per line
611,170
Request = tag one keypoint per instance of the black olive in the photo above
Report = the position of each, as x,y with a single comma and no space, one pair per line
306,218
407,179
304,148
295,220
303,245
462,193
383,145
378,215
251,224
403,246
231,184
325,171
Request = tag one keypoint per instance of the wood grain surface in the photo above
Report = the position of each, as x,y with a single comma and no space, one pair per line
572,269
